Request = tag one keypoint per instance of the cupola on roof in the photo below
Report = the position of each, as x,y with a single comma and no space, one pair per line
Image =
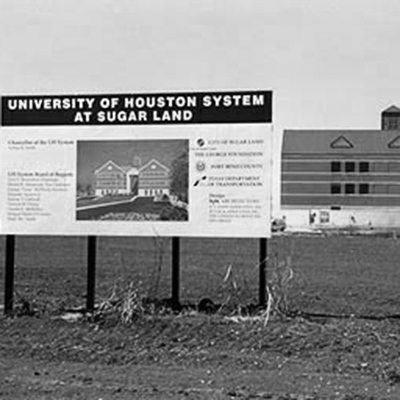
392,109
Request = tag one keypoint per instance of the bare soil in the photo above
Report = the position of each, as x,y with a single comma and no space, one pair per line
198,356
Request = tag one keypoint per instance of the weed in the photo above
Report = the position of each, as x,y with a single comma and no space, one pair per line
279,281
235,288
125,304
23,307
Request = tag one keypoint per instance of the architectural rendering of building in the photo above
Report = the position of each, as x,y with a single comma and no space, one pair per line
151,179
154,179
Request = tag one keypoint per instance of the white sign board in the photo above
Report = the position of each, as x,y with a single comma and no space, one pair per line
137,165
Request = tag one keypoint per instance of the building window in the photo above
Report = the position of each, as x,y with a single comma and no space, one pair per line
391,123
336,166
350,188
324,217
364,166
350,166
363,188
336,188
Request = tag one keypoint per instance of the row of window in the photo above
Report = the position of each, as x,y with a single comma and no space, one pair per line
109,191
153,192
110,184
349,166
344,167
350,188
110,175
150,185
154,173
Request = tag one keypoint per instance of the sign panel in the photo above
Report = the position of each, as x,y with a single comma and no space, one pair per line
180,164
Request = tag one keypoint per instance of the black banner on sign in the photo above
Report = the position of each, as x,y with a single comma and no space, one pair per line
138,109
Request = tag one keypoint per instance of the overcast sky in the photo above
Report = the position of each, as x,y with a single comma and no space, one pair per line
93,154
331,64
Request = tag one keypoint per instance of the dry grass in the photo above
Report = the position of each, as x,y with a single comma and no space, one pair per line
125,305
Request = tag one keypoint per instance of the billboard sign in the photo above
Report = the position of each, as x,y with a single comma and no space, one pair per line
168,164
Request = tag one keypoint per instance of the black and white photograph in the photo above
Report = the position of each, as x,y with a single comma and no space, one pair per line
200,200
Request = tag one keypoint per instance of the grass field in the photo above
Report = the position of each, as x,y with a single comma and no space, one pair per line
141,205
338,274
349,352
93,200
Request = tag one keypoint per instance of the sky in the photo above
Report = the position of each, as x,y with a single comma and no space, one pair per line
331,64
93,154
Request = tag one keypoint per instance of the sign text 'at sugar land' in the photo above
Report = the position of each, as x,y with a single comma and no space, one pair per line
139,109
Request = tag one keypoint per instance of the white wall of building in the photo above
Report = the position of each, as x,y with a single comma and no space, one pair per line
380,218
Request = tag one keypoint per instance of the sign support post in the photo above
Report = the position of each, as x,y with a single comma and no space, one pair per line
175,272
262,271
91,273
9,275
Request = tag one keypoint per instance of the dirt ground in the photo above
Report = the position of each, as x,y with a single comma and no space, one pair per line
197,356
343,343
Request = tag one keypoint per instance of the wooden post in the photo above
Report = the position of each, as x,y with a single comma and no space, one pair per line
91,273
9,275
262,272
175,273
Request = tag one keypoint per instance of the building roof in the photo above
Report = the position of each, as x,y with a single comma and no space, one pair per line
107,164
391,109
341,142
129,169
153,161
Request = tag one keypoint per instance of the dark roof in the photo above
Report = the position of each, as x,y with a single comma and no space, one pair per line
391,109
128,168
340,142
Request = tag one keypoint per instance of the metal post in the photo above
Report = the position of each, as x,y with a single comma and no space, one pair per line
262,271
91,273
175,273
9,275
